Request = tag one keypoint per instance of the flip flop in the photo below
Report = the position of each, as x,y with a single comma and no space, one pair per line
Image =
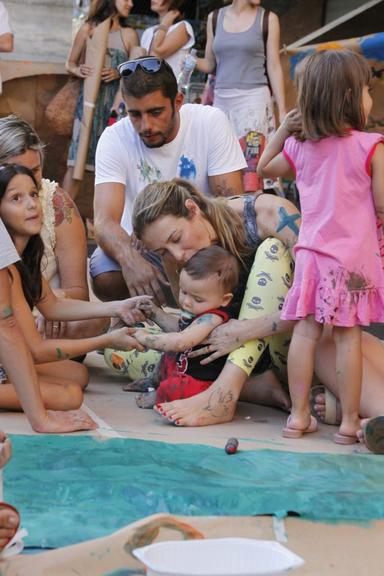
344,439
289,432
373,434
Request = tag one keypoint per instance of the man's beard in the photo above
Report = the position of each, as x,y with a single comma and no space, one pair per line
162,136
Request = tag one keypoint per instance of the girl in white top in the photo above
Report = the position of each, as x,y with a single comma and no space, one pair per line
171,39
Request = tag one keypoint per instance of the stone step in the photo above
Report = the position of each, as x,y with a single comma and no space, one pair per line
49,3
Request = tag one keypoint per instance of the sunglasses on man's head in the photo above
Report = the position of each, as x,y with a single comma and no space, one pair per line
150,65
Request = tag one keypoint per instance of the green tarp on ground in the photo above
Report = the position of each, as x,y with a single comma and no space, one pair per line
74,488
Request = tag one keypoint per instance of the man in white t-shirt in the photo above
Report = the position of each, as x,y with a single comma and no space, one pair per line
6,34
18,367
159,140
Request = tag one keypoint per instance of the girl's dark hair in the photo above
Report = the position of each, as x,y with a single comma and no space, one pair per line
29,266
100,10
176,4
330,87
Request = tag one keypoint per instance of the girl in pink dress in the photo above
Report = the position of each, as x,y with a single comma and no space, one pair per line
339,278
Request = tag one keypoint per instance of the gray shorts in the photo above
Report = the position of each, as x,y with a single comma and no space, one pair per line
100,262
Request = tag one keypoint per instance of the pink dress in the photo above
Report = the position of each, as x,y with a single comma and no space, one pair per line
339,275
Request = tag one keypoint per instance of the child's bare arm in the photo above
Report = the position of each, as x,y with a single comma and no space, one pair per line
180,341
273,163
378,181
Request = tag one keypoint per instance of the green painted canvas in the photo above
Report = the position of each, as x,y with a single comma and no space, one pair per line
74,488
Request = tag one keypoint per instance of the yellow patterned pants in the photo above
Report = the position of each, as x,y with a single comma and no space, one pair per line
268,283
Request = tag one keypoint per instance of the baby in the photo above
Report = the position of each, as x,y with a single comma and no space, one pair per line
207,282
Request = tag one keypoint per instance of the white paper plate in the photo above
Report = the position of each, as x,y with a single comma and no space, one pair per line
217,557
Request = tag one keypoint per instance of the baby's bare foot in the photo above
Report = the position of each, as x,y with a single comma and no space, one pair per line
146,399
140,385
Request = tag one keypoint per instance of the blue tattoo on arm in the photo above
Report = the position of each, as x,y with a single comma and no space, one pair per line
287,220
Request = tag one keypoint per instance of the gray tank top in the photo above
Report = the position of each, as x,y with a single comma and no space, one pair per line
240,56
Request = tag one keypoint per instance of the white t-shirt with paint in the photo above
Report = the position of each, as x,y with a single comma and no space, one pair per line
5,27
174,60
205,145
8,252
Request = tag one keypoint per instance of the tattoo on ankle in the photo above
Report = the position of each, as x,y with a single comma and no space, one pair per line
6,312
220,403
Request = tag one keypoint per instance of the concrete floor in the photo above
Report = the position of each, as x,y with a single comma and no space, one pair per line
340,550
45,27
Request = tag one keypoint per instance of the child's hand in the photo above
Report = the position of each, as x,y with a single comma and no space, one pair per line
124,339
141,335
130,310
149,309
292,122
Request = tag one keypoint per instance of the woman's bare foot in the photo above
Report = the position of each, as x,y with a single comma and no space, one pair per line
218,404
9,523
59,422
213,406
146,399
326,407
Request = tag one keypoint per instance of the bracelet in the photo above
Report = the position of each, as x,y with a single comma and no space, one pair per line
162,27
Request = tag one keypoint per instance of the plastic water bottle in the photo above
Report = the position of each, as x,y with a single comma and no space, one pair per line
121,111
184,77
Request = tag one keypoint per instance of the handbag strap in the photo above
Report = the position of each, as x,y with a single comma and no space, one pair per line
127,50
215,15
265,30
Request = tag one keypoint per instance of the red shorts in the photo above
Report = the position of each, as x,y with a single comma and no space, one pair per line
175,385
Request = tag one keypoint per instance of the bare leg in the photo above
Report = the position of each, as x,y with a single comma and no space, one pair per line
73,187
67,371
266,390
61,386
348,377
372,389
301,361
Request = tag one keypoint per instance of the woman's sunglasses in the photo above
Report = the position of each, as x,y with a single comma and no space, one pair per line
150,65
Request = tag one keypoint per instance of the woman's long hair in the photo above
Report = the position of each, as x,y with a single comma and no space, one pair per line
100,10
168,198
30,263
